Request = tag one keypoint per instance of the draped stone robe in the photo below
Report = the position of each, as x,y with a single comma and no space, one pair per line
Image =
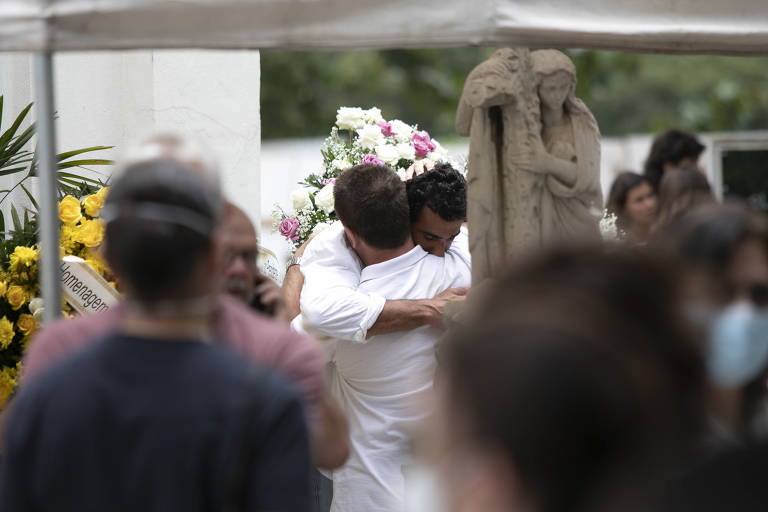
512,209
572,212
496,111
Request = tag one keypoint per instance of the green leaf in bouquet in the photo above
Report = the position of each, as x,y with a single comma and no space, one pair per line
30,225
313,180
23,157
31,197
15,218
67,190
18,143
73,185
70,154
8,135
83,163
404,163
75,178
14,170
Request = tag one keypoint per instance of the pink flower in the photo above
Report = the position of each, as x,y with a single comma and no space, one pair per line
329,181
372,159
289,228
386,128
423,144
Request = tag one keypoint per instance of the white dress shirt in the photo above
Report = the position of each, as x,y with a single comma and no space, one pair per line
332,305
382,383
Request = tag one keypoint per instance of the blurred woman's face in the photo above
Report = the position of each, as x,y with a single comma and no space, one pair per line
641,205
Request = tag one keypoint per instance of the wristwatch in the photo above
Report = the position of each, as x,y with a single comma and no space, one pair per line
295,260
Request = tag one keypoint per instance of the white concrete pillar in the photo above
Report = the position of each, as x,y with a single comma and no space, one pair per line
214,96
117,98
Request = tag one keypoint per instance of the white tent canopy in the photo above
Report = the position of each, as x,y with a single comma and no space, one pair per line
689,26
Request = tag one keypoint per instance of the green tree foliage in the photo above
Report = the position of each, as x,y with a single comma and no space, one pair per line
300,91
629,93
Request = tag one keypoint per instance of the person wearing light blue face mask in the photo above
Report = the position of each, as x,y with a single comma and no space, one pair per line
726,249
738,345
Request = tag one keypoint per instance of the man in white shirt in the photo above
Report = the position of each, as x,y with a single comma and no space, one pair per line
381,381
438,208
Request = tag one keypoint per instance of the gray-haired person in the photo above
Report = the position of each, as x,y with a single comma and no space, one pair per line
157,416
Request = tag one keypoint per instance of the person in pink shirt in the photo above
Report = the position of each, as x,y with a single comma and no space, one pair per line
253,335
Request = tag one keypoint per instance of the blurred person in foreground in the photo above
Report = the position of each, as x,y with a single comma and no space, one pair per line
155,416
682,189
573,385
673,148
254,336
725,248
634,203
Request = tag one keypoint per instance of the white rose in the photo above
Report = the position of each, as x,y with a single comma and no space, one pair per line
608,228
341,164
372,115
39,315
388,153
406,151
349,118
402,174
277,216
300,199
35,304
369,136
403,131
320,227
324,198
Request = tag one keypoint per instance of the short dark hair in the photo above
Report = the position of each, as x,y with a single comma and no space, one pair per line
671,147
617,197
579,369
442,189
371,201
160,219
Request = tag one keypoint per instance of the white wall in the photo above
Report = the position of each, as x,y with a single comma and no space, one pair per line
116,98
285,162
214,96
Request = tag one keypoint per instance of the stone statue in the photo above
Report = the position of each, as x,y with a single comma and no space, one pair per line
534,160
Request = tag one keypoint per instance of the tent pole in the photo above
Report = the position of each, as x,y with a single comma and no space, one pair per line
48,220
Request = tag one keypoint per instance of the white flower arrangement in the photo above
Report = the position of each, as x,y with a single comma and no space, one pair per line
359,136
608,229
300,199
324,198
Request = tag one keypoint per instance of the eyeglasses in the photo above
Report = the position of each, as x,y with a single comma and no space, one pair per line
248,257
